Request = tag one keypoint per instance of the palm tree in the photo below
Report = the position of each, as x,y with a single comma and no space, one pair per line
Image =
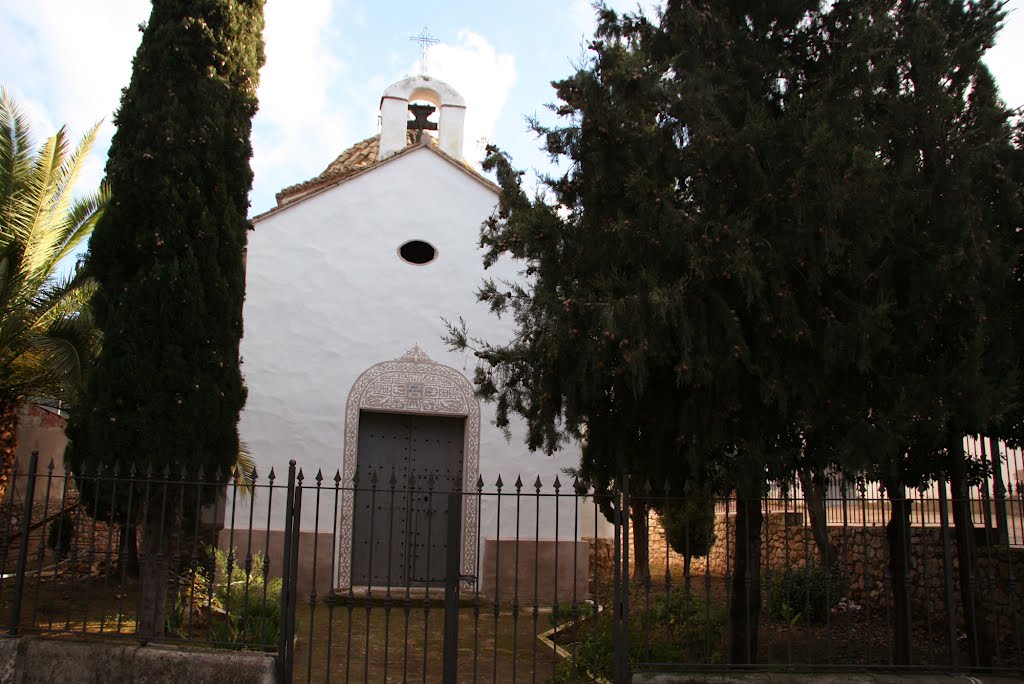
46,333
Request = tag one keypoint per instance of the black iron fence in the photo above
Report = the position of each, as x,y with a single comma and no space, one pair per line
406,578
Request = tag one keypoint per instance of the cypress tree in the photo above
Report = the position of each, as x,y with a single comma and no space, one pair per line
659,320
784,224
168,257
928,255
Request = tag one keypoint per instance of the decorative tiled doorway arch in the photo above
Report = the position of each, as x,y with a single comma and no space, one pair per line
412,383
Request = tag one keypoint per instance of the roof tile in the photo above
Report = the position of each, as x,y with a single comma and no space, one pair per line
360,156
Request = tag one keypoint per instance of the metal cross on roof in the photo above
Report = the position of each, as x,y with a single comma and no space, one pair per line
425,40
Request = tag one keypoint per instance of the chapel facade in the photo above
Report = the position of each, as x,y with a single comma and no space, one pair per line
349,282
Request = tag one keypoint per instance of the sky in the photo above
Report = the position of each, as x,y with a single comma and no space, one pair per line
329,61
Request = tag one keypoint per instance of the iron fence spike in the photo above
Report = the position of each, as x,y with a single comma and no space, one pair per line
271,477
558,484
300,477
479,482
337,477
499,484
537,484
319,477
519,483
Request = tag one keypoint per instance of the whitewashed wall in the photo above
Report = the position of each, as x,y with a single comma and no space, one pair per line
327,297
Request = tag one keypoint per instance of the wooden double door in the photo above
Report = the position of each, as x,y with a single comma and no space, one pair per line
406,465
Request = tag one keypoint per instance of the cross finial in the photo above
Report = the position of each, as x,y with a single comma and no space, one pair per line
425,40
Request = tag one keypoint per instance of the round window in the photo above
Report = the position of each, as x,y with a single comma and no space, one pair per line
417,252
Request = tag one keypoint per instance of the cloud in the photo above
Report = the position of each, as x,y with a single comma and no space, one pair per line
68,61
1008,54
299,127
482,76
582,17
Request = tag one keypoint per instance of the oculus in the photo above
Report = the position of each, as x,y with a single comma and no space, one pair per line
417,252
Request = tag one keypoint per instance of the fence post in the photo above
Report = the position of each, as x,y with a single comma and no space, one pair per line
623,644
293,573
616,581
452,576
620,620
283,664
999,490
26,524
947,575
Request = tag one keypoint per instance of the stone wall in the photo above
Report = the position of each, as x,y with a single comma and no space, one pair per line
862,568
36,659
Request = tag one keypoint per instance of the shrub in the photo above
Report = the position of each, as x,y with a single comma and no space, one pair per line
233,608
803,593
61,533
665,629
689,524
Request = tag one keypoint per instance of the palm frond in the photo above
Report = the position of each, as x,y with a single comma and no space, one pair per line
15,154
60,298
47,336
80,221
42,192
243,472
68,174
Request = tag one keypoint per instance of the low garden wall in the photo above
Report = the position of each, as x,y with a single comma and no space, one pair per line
787,543
36,659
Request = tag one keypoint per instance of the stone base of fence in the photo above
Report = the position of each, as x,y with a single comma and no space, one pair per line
31,660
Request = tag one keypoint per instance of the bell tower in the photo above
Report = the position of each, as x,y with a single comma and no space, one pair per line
401,100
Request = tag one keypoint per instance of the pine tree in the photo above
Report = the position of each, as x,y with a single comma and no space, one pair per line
168,257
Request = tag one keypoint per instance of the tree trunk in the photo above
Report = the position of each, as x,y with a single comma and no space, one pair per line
8,443
967,557
815,488
153,571
641,548
745,608
897,533
128,549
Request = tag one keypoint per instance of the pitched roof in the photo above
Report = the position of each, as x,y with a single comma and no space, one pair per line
360,157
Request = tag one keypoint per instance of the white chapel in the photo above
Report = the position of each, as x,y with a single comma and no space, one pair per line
348,282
